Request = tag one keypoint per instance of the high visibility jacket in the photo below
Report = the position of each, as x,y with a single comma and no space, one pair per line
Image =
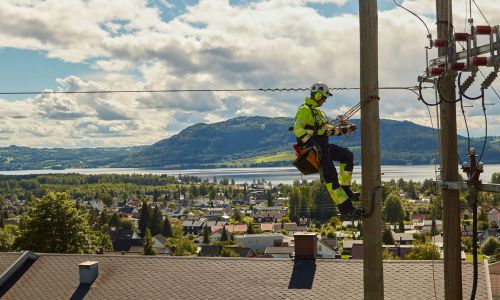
310,118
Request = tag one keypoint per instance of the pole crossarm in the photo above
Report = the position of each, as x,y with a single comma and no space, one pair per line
460,55
464,186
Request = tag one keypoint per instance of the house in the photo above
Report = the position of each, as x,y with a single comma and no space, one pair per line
327,248
493,216
290,227
402,238
159,242
215,251
267,227
494,271
280,252
35,276
231,228
193,226
348,244
259,241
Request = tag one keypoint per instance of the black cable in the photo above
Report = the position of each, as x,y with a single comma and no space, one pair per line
428,32
441,95
485,127
481,13
422,97
465,121
200,90
474,244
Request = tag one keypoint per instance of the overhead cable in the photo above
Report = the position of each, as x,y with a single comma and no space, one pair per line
409,88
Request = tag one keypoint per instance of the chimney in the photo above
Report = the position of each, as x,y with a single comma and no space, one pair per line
88,271
306,244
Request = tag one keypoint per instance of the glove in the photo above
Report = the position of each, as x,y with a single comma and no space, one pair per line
343,129
352,127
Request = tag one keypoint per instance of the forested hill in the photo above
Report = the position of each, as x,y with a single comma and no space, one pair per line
242,141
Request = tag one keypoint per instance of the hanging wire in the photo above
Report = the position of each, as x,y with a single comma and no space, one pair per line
410,88
481,13
428,32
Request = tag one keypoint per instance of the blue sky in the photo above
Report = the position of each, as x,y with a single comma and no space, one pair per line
162,44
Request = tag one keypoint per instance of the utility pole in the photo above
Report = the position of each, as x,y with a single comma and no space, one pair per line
449,163
370,151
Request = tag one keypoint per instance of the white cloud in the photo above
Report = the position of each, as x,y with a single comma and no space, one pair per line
213,44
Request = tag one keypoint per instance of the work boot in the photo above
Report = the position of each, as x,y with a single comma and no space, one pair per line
348,211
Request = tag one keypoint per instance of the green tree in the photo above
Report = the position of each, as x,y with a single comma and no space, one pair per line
224,235
490,246
393,210
166,230
54,225
7,237
145,218
228,252
423,251
206,238
467,242
114,221
237,215
250,228
148,244
2,222
156,221
387,237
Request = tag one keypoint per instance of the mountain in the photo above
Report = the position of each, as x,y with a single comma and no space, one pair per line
242,141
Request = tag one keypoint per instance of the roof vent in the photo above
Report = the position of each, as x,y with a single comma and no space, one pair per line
88,271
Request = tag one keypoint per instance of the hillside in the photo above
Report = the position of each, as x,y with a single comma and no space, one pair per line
242,141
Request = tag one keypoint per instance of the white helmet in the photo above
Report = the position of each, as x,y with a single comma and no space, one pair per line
321,88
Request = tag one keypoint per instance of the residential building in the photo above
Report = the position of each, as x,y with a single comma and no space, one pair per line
280,252
259,241
327,247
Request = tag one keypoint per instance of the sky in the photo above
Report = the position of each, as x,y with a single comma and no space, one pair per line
81,45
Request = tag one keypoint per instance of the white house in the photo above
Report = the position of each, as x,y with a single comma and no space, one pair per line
259,241
327,248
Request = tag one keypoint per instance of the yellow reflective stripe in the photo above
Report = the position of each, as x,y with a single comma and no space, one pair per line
338,195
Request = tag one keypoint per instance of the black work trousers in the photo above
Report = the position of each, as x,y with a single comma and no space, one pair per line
331,153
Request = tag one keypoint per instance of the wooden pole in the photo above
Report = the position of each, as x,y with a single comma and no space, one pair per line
370,151
449,165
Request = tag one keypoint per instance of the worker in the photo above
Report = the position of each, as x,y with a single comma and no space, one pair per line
312,130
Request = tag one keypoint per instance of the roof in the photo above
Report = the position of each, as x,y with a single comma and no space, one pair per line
331,243
231,228
285,226
266,226
403,236
347,244
126,244
8,259
280,250
55,276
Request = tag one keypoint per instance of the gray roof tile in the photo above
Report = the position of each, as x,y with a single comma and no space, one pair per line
55,276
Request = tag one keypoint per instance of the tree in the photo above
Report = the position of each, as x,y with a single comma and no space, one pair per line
224,235
54,225
144,218
270,202
237,215
166,230
156,221
228,252
393,209
490,246
250,228
206,238
2,223
148,244
7,237
423,251
434,230
114,221
387,237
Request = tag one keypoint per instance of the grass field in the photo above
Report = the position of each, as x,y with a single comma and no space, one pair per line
468,257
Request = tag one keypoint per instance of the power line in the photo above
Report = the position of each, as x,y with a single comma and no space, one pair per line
409,88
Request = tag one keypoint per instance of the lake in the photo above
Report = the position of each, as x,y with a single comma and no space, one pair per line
275,174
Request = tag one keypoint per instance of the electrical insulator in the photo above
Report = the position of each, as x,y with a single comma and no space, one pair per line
472,151
440,43
480,167
457,66
465,165
437,71
480,60
461,36
483,29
